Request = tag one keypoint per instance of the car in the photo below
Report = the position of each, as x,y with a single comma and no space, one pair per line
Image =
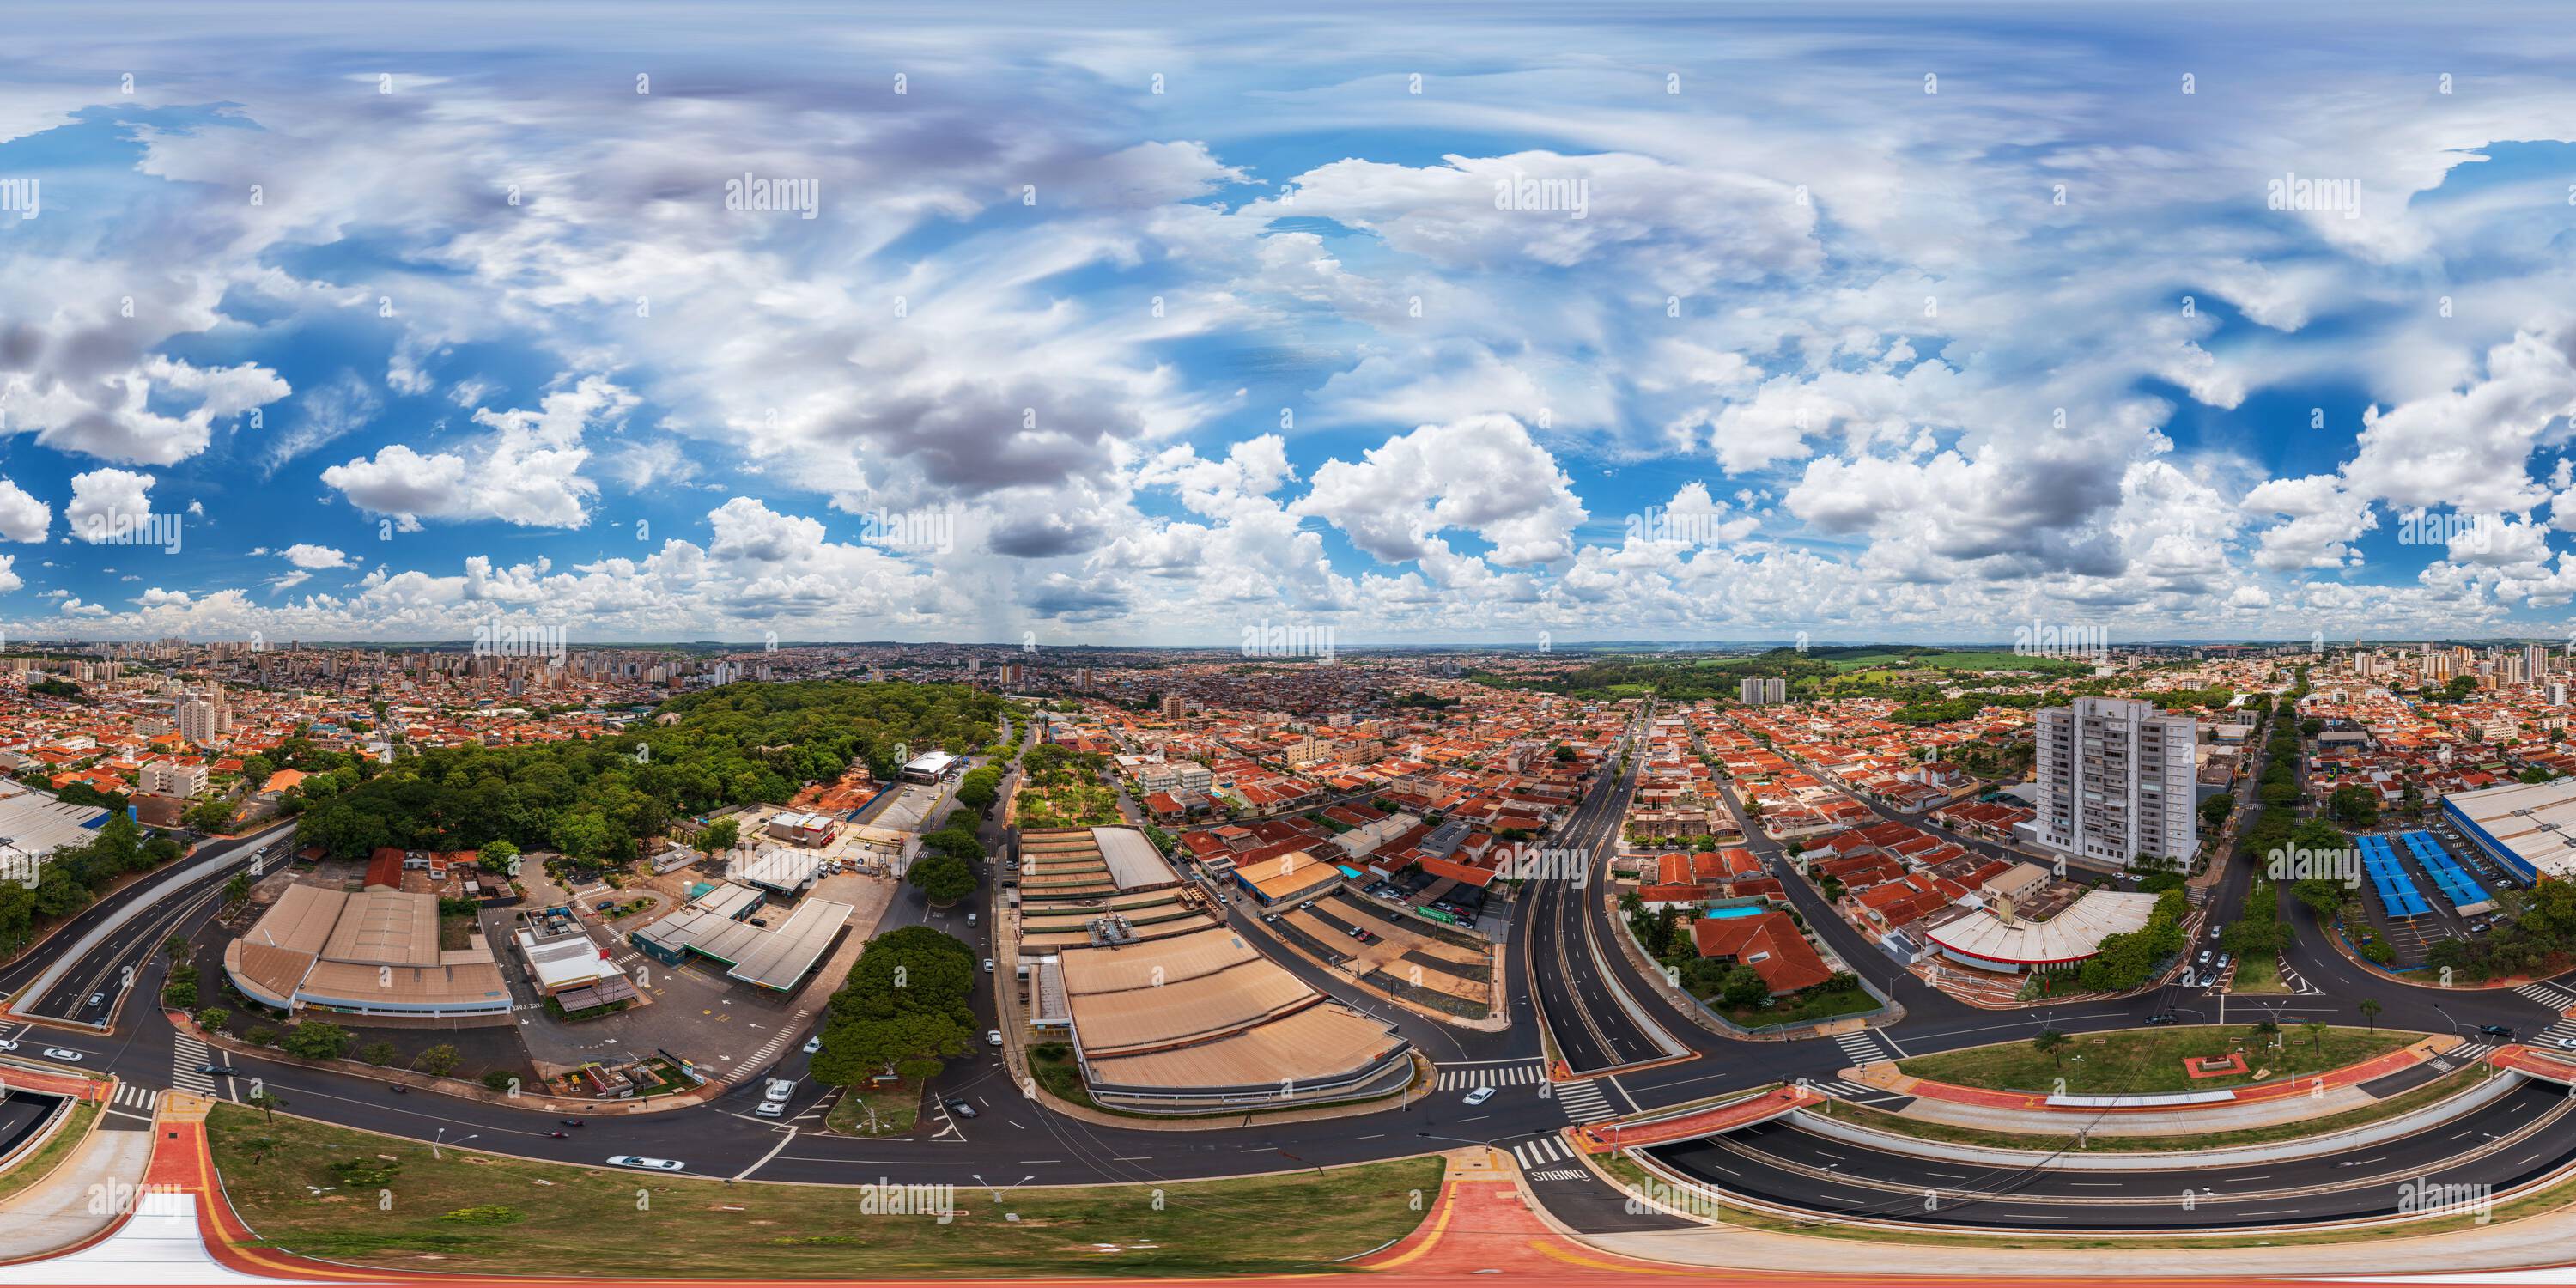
970,918
64,1054
992,1037
2221,963
8,1046
988,965
779,1090
2213,931
770,1108
2568,1044
1480,1095
647,1164
2495,1030
760,922
813,1044
97,1000
219,1071
961,1109
2162,1017
2203,959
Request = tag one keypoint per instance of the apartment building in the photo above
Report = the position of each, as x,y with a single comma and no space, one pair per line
172,778
1762,691
2115,780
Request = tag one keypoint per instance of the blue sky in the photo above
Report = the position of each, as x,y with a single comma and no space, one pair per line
1143,324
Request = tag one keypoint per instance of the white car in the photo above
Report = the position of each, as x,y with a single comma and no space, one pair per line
770,1108
1480,1095
66,1056
648,1164
8,1046
992,1037
988,965
813,1044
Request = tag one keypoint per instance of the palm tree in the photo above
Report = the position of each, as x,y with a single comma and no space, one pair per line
259,1147
2268,1030
268,1103
2053,1044
2316,1030
2370,1009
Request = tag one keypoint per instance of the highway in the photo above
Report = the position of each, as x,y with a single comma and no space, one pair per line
1013,1141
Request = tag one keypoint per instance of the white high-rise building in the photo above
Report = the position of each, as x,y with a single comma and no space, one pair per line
1762,690
204,717
2116,780
2535,662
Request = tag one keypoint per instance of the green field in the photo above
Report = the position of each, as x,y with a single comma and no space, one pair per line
1988,661
2135,1061
476,1213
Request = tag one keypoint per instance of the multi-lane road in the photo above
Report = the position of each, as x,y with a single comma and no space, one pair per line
1617,1036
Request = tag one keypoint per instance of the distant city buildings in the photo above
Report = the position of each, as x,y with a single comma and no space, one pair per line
1762,691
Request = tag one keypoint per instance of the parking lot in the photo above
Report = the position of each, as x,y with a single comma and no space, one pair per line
2412,937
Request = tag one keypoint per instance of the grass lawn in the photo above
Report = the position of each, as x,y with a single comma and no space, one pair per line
27,1171
477,1213
2260,973
1804,1008
2149,1060
2448,1085
896,1109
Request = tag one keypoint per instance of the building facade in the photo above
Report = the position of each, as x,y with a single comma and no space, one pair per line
2115,780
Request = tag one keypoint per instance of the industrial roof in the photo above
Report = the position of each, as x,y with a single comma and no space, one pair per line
2536,822
1133,861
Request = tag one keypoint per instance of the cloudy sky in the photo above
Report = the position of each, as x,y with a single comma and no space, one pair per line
1130,324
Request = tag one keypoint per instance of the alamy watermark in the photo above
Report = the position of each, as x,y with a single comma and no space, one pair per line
2300,863
2426,1198
119,528
515,637
886,1198
1656,1197
22,196
2076,640
801,197
1571,197
2291,192
1263,639
932,530
2470,533
1695,527
1535,863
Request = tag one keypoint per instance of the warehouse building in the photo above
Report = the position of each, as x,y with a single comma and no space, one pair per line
716,926
2527,829
371,953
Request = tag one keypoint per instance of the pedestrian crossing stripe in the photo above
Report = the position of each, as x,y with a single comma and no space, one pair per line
135,1097
1542,1151
1508,1076
1584,1103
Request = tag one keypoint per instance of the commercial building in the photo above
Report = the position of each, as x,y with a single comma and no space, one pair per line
2115,779
371,953
802,828
2528,829
932,768
1994,937
1291,878
172,777
716,925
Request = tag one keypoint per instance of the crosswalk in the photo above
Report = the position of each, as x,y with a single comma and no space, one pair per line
187,1053
1506,1076
2555,998
138,1098
1857,1093
1542,1151
1583,1102
1865,1047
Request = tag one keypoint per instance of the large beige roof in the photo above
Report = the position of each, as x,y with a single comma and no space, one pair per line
1317,1044
300,921
386,928
1160,962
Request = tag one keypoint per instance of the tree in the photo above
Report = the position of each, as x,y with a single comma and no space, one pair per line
175,947
1743,987
262,1035
909,996
2052,1044
209,816
268,1103
2370,1009
2316,1031
942,878
213,1019
495,855
2267,1030
501,1080
436,1061
379,1053
317,1040
721,835
237,890
259,1147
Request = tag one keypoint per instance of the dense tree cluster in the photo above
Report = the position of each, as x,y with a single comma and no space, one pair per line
74,876
909,1000
740,744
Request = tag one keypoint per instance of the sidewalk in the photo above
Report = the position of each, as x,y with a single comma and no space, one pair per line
56,1213
2264,1105
1608,1137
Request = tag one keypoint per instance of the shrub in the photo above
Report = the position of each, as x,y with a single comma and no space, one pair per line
501,1080
484,1214
262,1035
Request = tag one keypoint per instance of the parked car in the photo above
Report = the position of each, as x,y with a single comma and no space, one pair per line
2203,959
992,1037
648,1164
961,1109
1480,1095
988,965
770,1108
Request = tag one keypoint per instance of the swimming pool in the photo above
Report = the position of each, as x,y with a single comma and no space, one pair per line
1732,911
